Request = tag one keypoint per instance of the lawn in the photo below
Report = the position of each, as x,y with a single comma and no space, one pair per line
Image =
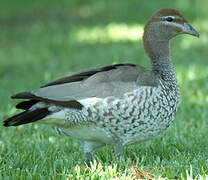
41,41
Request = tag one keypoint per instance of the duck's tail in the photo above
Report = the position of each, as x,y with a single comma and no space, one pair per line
27,116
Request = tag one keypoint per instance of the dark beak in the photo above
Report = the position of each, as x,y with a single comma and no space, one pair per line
188,29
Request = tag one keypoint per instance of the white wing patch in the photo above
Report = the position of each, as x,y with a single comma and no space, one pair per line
89,101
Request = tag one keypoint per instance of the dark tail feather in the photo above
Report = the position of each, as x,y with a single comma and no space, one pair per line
26,117
26,104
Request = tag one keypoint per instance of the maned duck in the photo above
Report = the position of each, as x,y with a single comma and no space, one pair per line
119,104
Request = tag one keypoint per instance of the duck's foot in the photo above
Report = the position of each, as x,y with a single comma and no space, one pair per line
88,158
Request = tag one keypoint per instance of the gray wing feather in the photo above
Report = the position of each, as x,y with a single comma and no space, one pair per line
113,82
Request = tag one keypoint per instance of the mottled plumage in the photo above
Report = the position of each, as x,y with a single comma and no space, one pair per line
118,104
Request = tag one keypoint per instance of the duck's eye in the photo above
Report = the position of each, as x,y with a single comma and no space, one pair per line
169,19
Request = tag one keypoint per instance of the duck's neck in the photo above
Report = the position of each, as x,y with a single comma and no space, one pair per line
159,54
157,50
164,69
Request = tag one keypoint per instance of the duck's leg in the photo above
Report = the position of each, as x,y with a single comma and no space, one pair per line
118,150
88,147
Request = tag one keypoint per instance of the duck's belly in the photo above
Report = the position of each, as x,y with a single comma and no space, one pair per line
88,133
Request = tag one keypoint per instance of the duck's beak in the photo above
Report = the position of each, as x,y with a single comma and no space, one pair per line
188,29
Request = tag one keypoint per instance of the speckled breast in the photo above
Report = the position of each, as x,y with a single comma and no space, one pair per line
139,115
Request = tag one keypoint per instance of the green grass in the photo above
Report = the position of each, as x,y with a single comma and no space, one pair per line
44,40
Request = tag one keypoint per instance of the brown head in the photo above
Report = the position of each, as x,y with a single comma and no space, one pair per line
162,26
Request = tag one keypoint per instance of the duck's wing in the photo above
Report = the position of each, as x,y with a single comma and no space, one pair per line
114,80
